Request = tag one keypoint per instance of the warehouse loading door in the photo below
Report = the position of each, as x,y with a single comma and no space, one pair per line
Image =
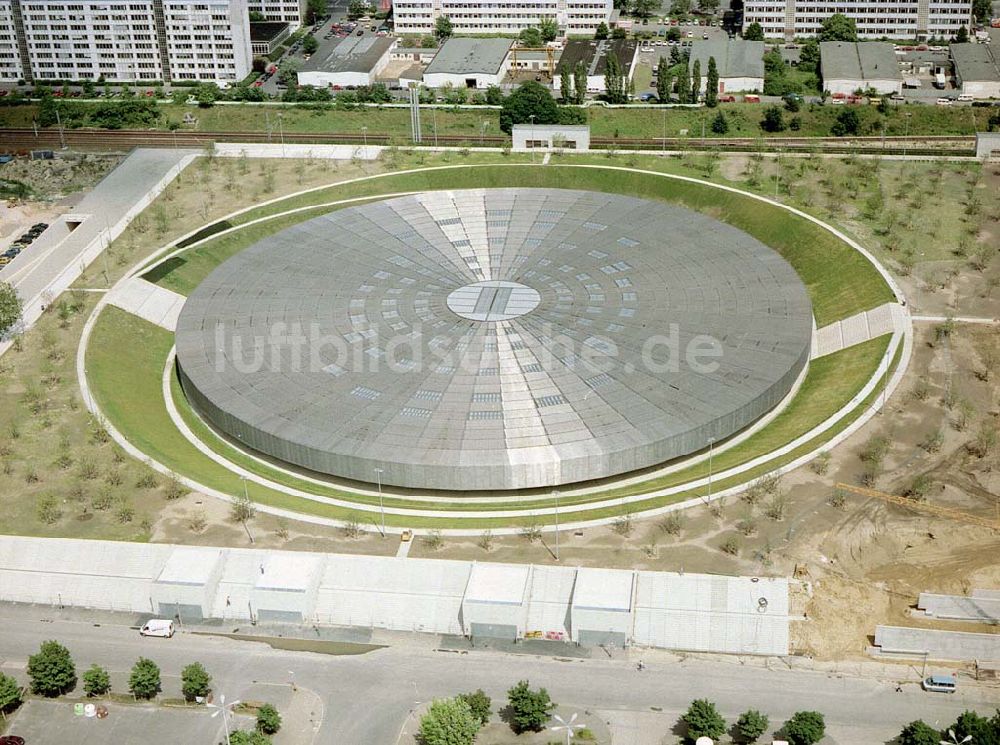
494,631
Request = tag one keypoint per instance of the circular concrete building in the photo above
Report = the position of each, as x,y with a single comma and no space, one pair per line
494,339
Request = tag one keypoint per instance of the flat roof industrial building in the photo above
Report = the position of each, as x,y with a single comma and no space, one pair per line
355,60
469,63
698,612
847,67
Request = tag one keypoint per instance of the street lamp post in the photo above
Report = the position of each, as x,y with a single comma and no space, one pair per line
281,133
568,726
711,443
555,493
381,508
364,133
223,708
532,118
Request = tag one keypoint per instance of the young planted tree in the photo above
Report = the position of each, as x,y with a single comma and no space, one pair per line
479,703
703,720
720,125
144,681
712,84
804,728
529,710
268,719
449,721
195,681
10,695
96,681
751,725
51,670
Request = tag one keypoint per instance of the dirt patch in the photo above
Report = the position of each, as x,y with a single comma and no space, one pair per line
63,175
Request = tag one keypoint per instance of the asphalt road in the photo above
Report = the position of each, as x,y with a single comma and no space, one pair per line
368,697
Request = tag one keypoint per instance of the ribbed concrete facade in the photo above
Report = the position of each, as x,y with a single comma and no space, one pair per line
494,339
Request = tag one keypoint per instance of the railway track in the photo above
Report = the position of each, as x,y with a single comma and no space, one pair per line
92,139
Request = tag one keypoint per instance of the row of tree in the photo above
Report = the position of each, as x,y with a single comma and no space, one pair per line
684,80
52,672
978,729
456,721
702,719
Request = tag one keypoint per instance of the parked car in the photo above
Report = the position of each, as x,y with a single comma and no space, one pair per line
940,684
649,98
943,102
11,740
158,627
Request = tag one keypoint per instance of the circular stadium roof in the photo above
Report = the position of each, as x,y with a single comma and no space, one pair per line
494,339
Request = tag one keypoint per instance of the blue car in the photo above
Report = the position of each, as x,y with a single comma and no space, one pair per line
649,98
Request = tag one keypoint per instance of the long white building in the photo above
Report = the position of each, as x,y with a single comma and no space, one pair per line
575,17
875,19
142,40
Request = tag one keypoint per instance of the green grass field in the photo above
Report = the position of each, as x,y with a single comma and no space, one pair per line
840,281
126,380
638,121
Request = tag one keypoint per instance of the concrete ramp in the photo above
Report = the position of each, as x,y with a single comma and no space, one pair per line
907,643
151,302
857,329
982,609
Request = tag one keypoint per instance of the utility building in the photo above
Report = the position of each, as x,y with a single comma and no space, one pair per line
847,67
285,590
602,607
495,601
593,55
549,602
185,588
469,63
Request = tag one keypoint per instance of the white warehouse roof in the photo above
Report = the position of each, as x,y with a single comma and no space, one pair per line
289,572
190,565
603,589
497,583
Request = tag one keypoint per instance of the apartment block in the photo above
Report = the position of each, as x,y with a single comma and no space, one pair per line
575,17
291,12
141,40
875,19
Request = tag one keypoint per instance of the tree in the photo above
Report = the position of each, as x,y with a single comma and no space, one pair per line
310,44
566,84
10,308
848,123
708,6
580,83
680,8
773,120
449,721
982,10
602,31
315,9
962,37
51,670
663,80
919,733
804,728
268,719
703,720
548,27
256,16
494,95
144,682
195,681
712,84
96,681
245,737
206,94
619,33
614,80
645,8
695,81
720,125
809,55
479,704
683,84
288,71
838,27
358,8
751,725
530,37
983,731
529,710
531,99
754,32
443,28
10,694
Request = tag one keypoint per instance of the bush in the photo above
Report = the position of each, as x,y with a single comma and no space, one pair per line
144,682
449,721
703,720
529,710
10,694
96,681
479,703
247,737
195,681
751,725
804,728
268,719
51,670
919,733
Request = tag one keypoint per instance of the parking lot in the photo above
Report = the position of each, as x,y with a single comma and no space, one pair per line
56,723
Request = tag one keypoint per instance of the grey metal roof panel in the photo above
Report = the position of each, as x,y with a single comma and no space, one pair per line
870,60
467,56
975,62
734,58
352,54
569,398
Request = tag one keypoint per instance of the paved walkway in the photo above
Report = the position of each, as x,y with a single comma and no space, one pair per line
858,328
60,255
148,301
956,319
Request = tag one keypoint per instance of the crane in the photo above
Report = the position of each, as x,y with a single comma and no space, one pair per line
926,507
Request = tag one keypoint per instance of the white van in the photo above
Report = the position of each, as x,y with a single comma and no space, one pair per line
158,627
966,97
940,683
